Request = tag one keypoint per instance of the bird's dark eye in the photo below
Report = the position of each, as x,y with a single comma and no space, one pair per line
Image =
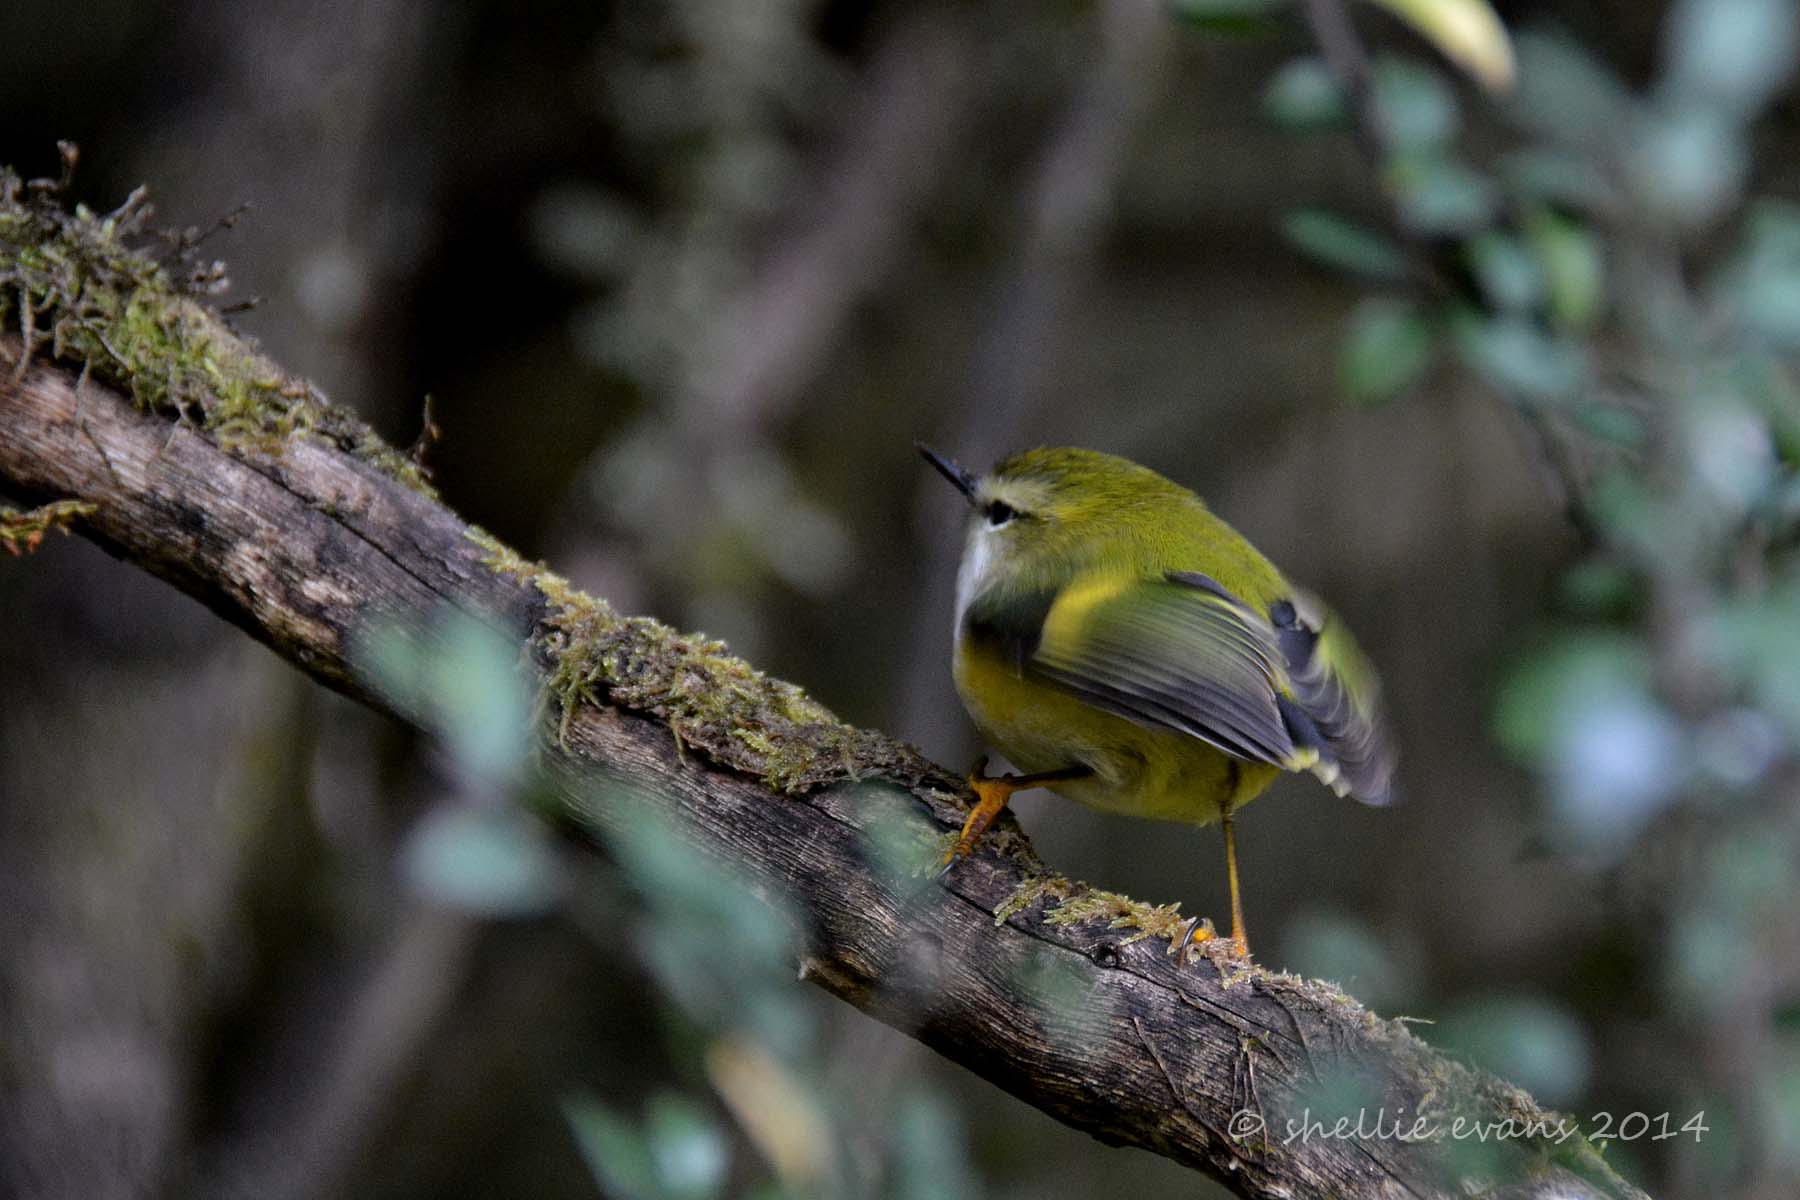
999,512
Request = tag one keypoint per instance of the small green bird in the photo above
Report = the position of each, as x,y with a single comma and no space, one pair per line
1130,650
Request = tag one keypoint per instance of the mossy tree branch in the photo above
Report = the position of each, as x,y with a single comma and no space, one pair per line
206,464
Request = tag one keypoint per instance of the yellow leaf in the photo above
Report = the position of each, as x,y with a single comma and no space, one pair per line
773,1109
1467,31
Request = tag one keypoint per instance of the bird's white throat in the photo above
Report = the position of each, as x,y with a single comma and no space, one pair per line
978,561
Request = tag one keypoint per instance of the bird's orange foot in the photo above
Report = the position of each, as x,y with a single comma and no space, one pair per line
1200,932
991,794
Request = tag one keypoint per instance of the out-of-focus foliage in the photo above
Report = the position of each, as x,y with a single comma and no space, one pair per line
1604,262
1535,1044
715,97
753,1051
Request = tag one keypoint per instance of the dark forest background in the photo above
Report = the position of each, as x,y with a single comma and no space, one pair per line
683,281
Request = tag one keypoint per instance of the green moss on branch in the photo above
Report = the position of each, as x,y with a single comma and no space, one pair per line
712,700
22,532
79,286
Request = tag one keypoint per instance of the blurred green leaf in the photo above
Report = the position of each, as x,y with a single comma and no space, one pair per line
903,849
1734,54
1467,32
1651,525
1507,273
584,231
1440,197
1569,255
1519,358
1785,504
1719,1149
1764,280
1631,516
701,892
930,1157
1730,449
1737,746
1567,96
1532,1042
1416,107
1342,1089
1474,1158
484,699
1768,384
465,677
616,1154
1566,178
1549,685
1303,95
1783,1122
725,959
1704,951
1342,244
494,863
687,1147
1325,945
394,657
1387,346
1610,423
1755,640
1617,760
1056,990
1689,163
1749,873
1601,590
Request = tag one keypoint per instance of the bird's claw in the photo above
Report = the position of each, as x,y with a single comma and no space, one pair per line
1200,932
991,794
1196,931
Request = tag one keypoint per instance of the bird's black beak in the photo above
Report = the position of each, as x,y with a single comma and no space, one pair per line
964,482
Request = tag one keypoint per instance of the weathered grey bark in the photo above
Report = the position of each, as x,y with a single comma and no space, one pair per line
303,545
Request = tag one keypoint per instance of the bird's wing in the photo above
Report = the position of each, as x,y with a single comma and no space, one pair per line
1333,700
1286,686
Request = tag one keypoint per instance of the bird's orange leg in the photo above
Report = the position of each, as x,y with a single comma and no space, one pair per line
1200,930
991,795
1231,878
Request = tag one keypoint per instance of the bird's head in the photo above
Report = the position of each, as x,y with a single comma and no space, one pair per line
1042,514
